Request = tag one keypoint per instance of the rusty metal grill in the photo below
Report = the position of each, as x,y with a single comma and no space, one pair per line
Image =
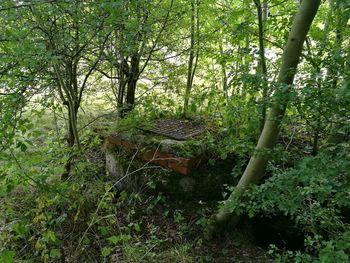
178,129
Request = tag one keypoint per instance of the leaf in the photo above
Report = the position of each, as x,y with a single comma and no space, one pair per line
106,251
55,253
223,156
103,230
113,239
137,227
117,239
7,256
23,147
20,230
86,241
49,236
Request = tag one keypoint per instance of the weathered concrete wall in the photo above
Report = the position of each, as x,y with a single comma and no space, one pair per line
115,170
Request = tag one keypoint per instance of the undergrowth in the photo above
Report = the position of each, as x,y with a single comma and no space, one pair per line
315,194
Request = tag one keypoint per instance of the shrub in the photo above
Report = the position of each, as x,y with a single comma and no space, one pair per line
316,196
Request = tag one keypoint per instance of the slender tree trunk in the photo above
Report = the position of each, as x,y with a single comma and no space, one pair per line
72,139
130,96
121,93
261,15
246,62
123,72
265,10
190,60
223,71
316,137
131,84
257,164
71,133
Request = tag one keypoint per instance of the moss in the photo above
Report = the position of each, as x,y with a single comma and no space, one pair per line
190,148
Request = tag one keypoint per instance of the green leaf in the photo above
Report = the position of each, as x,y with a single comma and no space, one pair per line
7,256
49,236
103,230
20,230
23,147
106,251
86,241
55,253
137,227
223,156
113,239
117,239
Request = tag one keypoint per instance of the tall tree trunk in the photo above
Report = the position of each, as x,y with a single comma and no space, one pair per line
123,72
193,57
257,164
261,16
72,139
223,71
71,127
131,84
245,64
121,93
190,59
265,10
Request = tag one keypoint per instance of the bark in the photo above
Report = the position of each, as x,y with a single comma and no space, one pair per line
68,91
123,71
73,137
261,16
121,93
245,64
132,79
265,10
257,163
193,56
223,71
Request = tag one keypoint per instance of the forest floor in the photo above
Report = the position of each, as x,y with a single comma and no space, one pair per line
166,234
158,226
147,224
176,235
166,225
96,224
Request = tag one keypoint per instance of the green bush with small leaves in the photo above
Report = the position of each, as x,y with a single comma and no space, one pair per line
316,196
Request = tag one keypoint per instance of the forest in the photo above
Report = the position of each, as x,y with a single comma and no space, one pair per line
174,131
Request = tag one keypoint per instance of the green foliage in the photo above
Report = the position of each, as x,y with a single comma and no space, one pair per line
35,227
53,52
13,126
134,122
7,256
315,194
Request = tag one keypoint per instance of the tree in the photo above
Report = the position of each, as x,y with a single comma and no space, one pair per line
290,59
69,32
137,30
262,16
62,45
194,54
340,69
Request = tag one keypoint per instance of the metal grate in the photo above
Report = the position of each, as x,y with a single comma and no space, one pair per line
178,129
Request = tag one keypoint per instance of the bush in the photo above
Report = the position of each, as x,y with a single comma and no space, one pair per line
316,196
